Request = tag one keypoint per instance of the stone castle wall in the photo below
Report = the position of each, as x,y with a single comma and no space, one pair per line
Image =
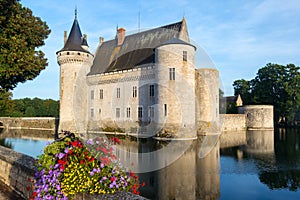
102,107
40,123
233,122
258,116
17,171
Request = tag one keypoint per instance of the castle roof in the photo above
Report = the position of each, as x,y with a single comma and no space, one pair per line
176,41
137,49
75,39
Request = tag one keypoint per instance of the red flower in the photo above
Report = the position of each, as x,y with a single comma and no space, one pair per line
143,184
131,174
92,159
104,150
62,162
82,162
113,157
116,140
112,179
28,188
105,160
76,143
29,179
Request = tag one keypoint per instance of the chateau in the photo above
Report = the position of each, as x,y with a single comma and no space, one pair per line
143,83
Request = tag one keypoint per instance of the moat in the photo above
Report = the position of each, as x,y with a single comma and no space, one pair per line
252,165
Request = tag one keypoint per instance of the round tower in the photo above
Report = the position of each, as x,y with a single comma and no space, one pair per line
176,87
75,61
207,101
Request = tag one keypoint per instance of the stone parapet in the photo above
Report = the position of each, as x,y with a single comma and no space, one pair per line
17,171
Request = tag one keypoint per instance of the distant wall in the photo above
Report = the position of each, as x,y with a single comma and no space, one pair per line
41,123
258,117
233,122
17,171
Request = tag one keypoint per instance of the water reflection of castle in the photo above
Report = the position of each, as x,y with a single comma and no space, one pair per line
195,174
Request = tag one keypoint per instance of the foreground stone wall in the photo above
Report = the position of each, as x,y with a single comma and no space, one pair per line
17,171
41,123
233,122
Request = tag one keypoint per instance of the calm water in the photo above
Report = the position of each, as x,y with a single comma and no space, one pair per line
252,165
29,142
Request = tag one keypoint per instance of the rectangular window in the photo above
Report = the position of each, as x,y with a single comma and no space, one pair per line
134,91
101,93
151,90
151,112
92,94
166,110
117,112
128,112
184,55
118,92
172,73
140,112
92,112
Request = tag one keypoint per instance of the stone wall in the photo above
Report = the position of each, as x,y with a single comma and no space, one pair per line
17,171
258,116
233,122
41,123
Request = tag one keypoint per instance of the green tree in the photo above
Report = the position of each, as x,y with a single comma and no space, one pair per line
243,88
6,104
30,112
21,34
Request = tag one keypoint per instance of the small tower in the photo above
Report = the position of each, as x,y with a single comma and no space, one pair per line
75,61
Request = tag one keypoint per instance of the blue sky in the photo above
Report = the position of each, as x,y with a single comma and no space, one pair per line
239,36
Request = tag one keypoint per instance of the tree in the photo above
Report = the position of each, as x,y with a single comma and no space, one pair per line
6,103
276,85
21,34
243,88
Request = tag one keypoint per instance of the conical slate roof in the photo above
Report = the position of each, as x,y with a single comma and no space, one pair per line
75,39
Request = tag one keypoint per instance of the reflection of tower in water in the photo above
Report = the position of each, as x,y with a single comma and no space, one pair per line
208,173
189,177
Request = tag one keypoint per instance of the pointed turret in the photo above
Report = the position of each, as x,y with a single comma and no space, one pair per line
75,61
75,41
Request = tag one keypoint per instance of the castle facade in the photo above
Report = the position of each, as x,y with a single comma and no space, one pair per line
143,83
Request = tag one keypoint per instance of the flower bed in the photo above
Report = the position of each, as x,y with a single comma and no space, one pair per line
71,166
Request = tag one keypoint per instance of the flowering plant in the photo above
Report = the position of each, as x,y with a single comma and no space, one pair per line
69,166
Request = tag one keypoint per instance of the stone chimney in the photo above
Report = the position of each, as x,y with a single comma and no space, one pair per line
121,36
101,40
65,37
84,44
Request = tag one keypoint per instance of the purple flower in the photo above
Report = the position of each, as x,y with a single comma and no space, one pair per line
92,173
90,141
101,165
67,150
61,155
